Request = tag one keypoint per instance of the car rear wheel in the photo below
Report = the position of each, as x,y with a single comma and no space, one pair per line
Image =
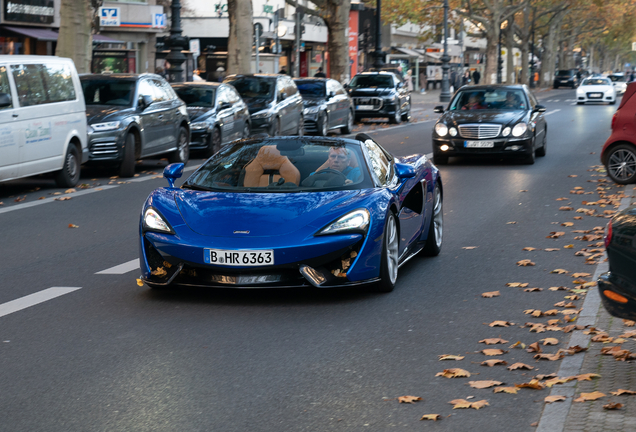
127,166
621,164
436,227
182,153
69,175
349,126
214,144
389,264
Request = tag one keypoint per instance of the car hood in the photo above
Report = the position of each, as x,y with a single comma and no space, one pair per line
483,116
595,88
371,92
260,214
199,113
257,104
105,113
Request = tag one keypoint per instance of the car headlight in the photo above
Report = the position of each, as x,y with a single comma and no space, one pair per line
441,129
506,131
101,127
357,221
311,110
519,129
154,221
262,114
452,131
198,126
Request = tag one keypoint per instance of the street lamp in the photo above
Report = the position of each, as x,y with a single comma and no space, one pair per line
176,43
445,95
377,54
532,83
499,60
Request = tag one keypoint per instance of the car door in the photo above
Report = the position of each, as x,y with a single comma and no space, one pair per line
538,118
225,114
10,140
241,114
344,104
166,116
149,117
283,106
333,112
296,103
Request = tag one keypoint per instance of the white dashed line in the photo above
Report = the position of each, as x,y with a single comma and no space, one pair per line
33,299
122,268
551,112
51,199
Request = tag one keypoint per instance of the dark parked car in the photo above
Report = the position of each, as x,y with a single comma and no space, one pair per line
566,77
491,120
380,94
618,286
217,113
327,105
132,117
274,103
619,152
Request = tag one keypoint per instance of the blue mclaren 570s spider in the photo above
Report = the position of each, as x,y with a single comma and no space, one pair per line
286,212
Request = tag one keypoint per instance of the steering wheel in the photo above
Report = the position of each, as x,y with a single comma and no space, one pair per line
329,176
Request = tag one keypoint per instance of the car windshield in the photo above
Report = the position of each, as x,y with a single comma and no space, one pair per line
283,165
492,99
372,81
311,88
108,92
617,78
251,87
565,73
196,96
596,81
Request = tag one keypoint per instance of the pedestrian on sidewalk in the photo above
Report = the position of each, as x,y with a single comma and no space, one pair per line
476,76
409,80
423,82
466,78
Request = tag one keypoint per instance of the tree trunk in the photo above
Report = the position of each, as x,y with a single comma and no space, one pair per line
590,63
570,53
510,58
75,39
336,16
525,36
549,57
492,48
239,44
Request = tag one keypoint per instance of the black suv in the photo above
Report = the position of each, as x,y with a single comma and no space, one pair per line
566,77
380,94
132,117
274,103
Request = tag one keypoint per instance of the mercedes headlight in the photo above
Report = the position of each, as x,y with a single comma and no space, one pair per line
506,131
199,126
102,127
311,110
441,129
357,221
452,131
519,129
154,221
262,114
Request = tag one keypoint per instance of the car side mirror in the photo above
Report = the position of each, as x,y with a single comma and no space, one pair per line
145,101
5,100
330,95
539,108
173,172
283,95
404,171
400,85
438,109
224,105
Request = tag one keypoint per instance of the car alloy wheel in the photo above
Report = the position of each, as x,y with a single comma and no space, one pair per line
182,153
215,142
69,175
397,117
433,244
391,250
621,164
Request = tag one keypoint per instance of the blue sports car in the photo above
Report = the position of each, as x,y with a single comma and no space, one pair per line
292,212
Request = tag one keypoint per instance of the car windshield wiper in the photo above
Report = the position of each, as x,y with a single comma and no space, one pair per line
196,187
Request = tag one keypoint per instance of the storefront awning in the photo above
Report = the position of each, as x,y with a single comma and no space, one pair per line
100,38
43,34
409,52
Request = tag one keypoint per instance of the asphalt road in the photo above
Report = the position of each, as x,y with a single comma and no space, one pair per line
100,353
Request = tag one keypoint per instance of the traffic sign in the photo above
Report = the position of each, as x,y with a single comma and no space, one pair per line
258,29
159,20
109,17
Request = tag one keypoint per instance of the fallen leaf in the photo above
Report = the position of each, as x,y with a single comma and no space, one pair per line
433,417
573,175
470,247
553,322
529,249
549,383
517,284
511,390
140,282
493,341
511,223
62,198
550,357
494,362
516,366
613,406
491,294
575,349
545,376
620,392
493,352
587,376
570,246
523,190
479,404
550,341
518,344
73,226
566,208
562,199
628,334
500,324
577,275
532,289
525,263
460,403
559,271
409,399
559,288
450,357
567,224
629,323
159,272
551,249
533,384
555,398
589,396
484,384
454,373
578,218
555,234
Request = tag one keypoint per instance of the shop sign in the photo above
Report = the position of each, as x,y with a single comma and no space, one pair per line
109,17
33,11
159,21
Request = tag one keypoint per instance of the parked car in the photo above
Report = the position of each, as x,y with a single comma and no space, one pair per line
310,211
619,81
566,77
491,120
275,106
380,94
619,151
618,286
42,117
217,114
327,105
596,89
131,117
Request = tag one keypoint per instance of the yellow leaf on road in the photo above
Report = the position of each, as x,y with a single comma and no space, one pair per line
555,398
589,396
140,282
613,406
620,392
454,373
516,366
493,352
533,384
494,362
559,271
409,399
525,263
484,384
511,390
450,357
529,249
493,341
491,294
470,247
500,324
550,341
433,417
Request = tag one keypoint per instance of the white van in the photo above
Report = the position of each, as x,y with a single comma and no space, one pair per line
42,118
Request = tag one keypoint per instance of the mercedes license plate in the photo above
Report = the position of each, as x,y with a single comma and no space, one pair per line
479,144
364,107
239,258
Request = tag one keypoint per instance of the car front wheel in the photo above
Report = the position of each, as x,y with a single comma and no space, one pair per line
621,164
182,153
433,244
389,264
349,125
69,175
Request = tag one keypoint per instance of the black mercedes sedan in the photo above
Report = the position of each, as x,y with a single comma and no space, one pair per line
327,105
491,120
380,94
217,113
618,286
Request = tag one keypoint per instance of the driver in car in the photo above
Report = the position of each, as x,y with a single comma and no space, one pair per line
476,101
340,160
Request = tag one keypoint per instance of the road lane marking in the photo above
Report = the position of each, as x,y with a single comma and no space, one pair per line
551,112
33,299
122,268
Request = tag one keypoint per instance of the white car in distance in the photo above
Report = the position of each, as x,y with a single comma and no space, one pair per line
596,89
619,81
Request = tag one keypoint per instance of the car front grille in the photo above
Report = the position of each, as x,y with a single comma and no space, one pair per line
104,148
595,95
479,131
369,101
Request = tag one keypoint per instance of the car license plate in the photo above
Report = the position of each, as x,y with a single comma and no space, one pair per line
479,144
596,95
239,258
364,107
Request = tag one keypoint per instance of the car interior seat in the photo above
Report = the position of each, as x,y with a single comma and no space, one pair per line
268,167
